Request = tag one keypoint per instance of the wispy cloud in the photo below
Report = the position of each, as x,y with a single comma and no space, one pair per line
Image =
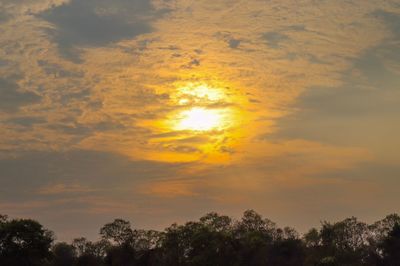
91,93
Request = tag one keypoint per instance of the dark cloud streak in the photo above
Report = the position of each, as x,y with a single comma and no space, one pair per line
12,98
96,23
91,169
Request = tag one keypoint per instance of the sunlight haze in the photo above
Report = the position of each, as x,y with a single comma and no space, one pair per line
158,111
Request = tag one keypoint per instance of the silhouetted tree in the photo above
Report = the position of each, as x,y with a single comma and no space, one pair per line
391,247
127,246
216,222
198,243
254,236
118,232
213,240
90,253
24,242
287,252
63,255
312,242
121,255
3,218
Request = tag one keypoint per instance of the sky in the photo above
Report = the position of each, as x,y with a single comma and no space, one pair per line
159,111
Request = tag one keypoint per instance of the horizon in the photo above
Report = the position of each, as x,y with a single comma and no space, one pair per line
160,111
234,220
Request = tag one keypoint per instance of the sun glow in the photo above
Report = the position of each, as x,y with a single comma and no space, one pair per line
200,119
205,122
201,93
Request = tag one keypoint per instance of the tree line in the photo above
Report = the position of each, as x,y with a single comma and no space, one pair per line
213,240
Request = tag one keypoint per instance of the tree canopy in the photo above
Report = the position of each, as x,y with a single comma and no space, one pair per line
213,240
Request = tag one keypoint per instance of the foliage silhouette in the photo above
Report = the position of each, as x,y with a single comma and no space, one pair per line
24,242
213,240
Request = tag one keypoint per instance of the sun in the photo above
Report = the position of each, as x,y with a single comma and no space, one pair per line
201,122
200,119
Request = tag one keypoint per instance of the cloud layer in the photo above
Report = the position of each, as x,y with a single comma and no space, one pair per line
91,92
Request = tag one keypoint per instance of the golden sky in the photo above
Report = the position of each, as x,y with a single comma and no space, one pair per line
160,111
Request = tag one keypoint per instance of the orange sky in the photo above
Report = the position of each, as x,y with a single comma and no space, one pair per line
160,111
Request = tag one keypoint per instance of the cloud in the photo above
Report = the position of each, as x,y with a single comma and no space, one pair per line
57,71
227,37
79,185
95,144
193,63
391,19
171,188
97,23
26,121
85,129
274,39
234,43
3,16
367,101
342,116
182,148
89,169
386,53
60,188
12,98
